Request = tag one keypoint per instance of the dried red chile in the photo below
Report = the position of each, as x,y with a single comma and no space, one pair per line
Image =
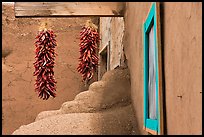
88,60
45,84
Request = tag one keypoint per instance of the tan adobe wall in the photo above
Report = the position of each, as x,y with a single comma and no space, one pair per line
182,42
20,103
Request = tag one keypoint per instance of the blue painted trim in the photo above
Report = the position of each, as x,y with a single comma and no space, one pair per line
145,75
151,19
152,124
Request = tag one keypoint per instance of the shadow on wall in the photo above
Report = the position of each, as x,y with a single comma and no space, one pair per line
120,87
162,19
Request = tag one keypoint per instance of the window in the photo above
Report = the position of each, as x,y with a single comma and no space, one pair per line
153,116
104,58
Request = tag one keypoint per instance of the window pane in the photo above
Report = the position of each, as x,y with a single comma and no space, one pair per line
152,77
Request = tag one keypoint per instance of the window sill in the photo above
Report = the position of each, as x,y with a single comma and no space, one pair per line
150,131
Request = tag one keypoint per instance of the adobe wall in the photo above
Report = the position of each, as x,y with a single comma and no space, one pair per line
111,33
182,41
181,35
20,103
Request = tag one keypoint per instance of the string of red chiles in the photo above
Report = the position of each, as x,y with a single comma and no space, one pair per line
88,60
45,84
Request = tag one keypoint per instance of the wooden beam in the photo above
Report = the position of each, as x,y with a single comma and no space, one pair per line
49,9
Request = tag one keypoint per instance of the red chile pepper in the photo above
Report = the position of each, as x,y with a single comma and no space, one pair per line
88,60
45,44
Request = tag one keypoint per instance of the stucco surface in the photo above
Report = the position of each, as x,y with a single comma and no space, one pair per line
182,41
104,109
181,35
113,122
20,103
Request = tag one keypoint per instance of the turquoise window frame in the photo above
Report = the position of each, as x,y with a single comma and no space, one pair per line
150,125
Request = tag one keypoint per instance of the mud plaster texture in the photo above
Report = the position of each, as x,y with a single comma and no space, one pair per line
181,39
114,122
20,103
103,109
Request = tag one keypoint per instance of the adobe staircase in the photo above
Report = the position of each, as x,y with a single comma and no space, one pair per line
105,108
